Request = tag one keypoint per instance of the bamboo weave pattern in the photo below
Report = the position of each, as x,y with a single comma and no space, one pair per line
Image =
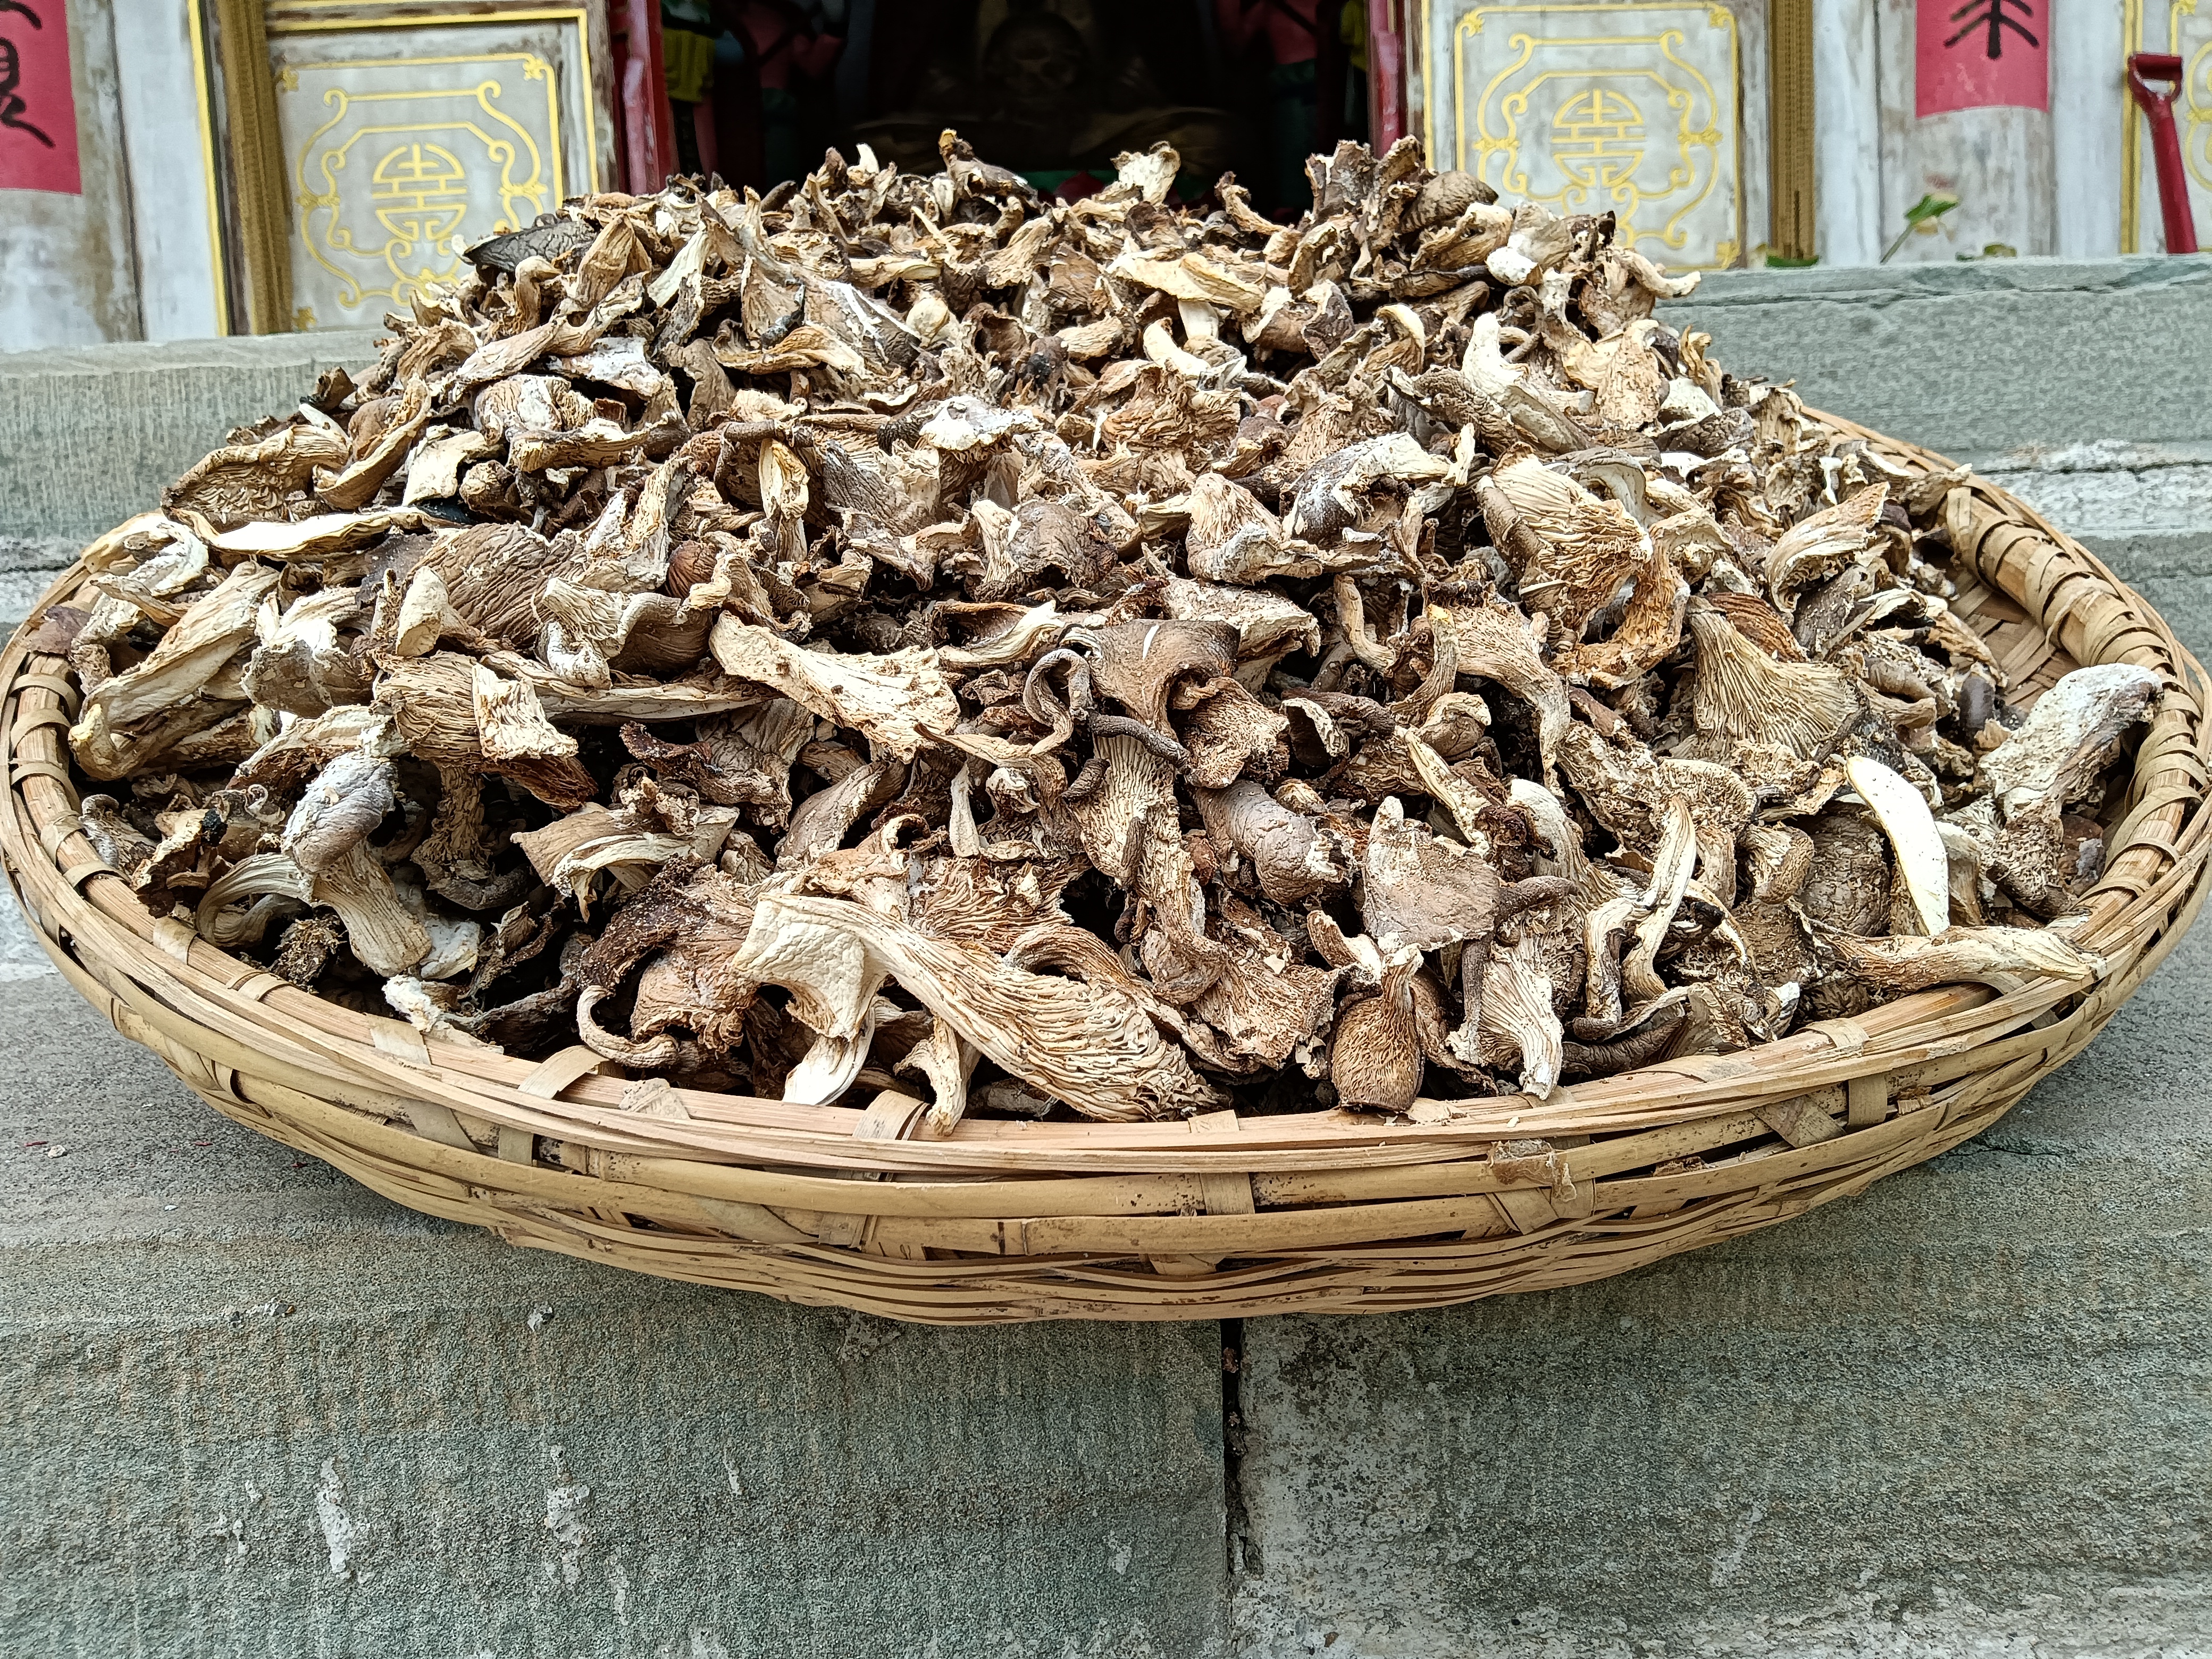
1214,1216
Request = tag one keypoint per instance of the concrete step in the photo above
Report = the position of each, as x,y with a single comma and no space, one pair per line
1981,359
93,433
251,1408
28,565
1969,1413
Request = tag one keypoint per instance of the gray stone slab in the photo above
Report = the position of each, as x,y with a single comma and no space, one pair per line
1970,1412
1982,358
36,555
93,433
2111,490
19,593
247,1407
2145,510
2174,571
27,568
20,955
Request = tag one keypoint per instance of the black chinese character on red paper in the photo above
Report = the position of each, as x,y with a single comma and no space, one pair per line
1995,17
11,71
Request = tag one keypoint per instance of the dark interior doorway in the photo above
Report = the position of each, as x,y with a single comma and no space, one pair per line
1054,88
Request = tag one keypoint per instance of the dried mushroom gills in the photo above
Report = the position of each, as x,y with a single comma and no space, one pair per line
986,545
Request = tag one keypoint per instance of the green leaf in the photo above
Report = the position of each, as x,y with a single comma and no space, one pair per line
1929,208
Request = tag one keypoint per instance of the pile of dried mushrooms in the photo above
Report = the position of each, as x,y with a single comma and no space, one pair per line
906,631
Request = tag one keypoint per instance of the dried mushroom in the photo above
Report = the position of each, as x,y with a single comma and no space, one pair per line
1103,657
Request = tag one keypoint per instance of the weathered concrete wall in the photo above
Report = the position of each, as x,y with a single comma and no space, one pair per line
1978,360
1970,1413
247,1407
91,435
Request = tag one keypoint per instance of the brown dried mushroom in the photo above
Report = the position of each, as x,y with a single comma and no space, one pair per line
1108,657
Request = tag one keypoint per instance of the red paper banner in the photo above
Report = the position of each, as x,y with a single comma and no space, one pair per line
37,110
1973,53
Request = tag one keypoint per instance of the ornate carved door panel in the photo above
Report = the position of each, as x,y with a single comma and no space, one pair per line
395,135
1655,111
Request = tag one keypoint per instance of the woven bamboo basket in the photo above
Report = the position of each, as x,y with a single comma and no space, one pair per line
1215,1217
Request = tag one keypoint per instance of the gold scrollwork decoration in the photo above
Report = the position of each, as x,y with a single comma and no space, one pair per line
425,153
1622,119
2193,113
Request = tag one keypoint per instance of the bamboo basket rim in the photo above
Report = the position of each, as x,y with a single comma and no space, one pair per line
434,1123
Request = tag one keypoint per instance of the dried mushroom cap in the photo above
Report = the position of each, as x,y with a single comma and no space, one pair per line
433,703
1519,1027
319,535
1573,551
910,626
1817,547
240,483
1779,857
1293,857
1138,663
1374,1057
1232,538
345,803
1741,692
205,639
1420,890
1758,622
1445,196
572,853
2008,958
1497,644
1087,1043
1044,536
1268,626
738,759
2074,729
896,700
1335,493
1848,886
822,821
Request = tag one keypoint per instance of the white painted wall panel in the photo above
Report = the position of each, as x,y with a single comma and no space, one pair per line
2087,113
171,218
1846,133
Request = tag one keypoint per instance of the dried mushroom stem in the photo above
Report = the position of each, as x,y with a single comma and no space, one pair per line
1922,862
948,1060
1671,865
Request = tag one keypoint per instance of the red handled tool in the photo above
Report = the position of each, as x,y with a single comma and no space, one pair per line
2143,67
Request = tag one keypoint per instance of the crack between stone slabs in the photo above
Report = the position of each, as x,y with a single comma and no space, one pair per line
1240,1545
